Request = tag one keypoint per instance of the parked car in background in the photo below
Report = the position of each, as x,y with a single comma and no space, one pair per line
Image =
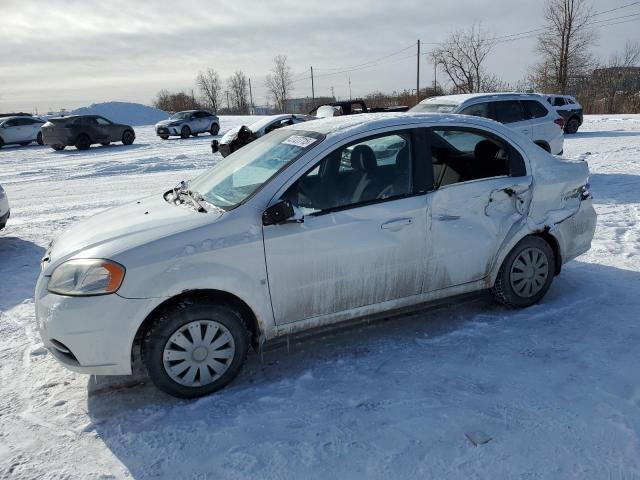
527,113
20,130
240,136
82,131
5,211
286,236
570,109
188,123
350,107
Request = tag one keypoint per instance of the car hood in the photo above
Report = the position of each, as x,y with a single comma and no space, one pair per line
168,121
125,227
231,135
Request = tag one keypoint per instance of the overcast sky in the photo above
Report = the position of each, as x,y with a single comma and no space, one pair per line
59,53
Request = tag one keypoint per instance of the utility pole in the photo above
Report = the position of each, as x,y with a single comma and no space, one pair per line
349,87
313,91
228,106
251,112
435,76
418,75
333,95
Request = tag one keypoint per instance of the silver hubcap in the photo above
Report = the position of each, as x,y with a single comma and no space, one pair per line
198,353
529,272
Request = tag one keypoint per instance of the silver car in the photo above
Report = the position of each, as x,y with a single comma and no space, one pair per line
313,224
20,130
188,123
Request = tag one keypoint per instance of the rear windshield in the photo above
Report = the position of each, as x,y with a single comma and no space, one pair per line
434,107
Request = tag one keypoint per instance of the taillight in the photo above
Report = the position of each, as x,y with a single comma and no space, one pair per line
560,122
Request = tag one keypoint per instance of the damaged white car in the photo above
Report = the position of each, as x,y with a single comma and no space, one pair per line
311,225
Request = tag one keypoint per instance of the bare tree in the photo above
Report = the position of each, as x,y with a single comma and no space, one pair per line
175,102
279,82
564,44
615,84
462,55
210,86
238,85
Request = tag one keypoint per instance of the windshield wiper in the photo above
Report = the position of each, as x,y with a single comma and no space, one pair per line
194,197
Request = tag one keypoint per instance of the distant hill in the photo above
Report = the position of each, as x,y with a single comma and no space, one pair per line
124,112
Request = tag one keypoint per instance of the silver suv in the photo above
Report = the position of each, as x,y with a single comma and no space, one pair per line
530,114
188,123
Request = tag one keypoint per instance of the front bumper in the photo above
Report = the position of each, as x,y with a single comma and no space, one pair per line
3,219
92,335
171,131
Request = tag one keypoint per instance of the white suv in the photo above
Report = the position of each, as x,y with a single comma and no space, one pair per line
530,114
21,130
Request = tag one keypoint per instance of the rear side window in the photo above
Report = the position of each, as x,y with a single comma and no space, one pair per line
558,102
477,110
508,111
461,155
534,109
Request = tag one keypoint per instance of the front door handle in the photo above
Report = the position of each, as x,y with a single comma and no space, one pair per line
397,224
446,218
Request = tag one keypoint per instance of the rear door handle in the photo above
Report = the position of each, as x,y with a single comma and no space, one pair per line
397,224
446,218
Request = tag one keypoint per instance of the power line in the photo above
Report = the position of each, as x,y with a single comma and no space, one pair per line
614,9
371,61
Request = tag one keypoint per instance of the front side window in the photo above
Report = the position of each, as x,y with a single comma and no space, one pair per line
370,170
508,111
11,123
462,155
102,121
243,172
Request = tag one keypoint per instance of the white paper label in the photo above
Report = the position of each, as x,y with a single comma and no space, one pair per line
299,141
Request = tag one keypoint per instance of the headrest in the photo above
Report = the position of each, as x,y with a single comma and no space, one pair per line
363,158
486,149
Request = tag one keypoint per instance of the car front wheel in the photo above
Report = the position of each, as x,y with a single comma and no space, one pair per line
83,142
128,137
215,129
185,132
195,348
526,274
39,139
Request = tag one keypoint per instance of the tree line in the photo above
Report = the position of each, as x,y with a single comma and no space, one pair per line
564,65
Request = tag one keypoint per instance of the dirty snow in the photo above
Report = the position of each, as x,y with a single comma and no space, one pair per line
466,390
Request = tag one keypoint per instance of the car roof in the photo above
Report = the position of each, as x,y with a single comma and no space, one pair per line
465,97
367,122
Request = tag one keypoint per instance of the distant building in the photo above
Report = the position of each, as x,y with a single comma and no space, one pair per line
306,104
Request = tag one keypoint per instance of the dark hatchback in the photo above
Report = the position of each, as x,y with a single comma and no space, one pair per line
82,131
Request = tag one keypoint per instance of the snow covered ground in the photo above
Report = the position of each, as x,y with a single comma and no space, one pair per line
556,387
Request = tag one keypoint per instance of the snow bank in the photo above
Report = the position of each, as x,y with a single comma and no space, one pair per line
124,112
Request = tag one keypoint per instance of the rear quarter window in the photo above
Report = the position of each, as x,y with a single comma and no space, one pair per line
534,109
508,111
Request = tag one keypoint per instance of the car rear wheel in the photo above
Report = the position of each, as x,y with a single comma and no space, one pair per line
83,142
58,147
185,132
526,274
215,129
128,137
39,139
572,126
195,348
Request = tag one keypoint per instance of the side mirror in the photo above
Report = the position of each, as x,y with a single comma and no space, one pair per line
278,213
215,146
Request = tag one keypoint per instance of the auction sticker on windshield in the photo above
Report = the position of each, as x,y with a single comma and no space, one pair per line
299,141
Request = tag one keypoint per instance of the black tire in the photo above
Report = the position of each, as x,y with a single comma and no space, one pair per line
164,137
169,321
215,129
39,139
503,289
83,142
572,126
58,147
128,137
105,144
185,132
1,142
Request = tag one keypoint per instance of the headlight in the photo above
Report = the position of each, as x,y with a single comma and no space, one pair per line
175,124
86,277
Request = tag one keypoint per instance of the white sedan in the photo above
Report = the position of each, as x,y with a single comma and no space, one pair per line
311,225
21,130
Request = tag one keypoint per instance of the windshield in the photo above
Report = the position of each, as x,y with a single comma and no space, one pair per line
242,173
434,107
181,115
